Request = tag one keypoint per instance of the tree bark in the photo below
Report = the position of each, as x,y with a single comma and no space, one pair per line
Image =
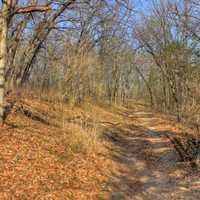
3,55
147,85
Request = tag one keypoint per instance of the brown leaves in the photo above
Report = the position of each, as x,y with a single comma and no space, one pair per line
35,162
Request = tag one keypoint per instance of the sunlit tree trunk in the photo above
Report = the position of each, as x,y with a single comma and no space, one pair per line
3,55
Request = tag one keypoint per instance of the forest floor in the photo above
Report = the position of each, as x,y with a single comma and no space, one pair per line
131,159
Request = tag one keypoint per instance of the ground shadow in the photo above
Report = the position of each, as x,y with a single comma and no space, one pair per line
149,167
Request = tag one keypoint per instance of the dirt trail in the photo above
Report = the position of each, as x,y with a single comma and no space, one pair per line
146,165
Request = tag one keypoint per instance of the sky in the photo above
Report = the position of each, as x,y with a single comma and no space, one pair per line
142,5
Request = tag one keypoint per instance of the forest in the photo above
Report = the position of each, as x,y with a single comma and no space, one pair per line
99,99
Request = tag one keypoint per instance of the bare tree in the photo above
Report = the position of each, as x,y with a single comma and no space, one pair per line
8,11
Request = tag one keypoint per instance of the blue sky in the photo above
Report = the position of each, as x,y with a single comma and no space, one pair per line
142,5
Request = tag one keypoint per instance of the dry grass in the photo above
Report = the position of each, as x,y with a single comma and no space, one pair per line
79,140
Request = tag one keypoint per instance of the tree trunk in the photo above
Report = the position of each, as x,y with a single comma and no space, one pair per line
147,85
3,55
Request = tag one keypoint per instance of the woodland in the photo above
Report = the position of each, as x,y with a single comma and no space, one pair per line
99,99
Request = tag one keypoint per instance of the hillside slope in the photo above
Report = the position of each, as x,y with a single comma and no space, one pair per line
91,152
49,154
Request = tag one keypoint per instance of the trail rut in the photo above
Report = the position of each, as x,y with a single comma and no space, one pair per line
146,165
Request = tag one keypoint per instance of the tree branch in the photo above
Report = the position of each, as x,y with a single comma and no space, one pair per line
31,9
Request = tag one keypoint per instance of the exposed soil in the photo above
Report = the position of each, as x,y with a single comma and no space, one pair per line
146,165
